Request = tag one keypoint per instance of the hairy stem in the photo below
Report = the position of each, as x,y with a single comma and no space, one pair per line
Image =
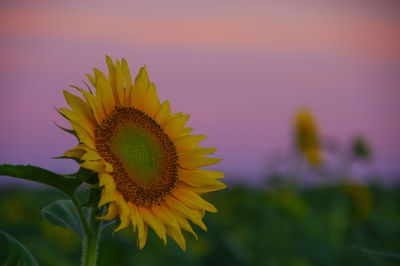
82,218
89,255
91,228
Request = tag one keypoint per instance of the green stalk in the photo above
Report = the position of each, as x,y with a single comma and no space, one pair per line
89,254
91,229
82,217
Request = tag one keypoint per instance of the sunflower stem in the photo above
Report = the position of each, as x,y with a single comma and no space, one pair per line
82,217
92,236
89,255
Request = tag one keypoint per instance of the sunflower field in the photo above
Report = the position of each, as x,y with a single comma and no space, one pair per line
331,225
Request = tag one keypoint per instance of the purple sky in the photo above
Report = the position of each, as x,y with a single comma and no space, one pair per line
240,70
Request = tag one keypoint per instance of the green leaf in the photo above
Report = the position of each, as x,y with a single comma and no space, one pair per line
43,176
63,213
86,175
13,253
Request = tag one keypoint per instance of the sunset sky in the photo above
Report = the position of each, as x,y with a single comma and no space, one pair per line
241,69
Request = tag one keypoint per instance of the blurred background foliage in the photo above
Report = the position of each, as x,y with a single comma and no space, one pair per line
343,224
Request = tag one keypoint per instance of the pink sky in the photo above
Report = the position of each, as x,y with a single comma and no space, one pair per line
240,69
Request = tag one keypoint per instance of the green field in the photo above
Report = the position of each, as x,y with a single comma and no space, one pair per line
325,225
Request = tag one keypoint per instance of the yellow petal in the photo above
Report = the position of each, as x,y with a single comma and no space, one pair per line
105,179
82,128
163,113
204,173
185,211
199,162
106,198
112,212
119,91
164,214
196,153
91,155
108,167
124,222
76,152
96,166
110,187
88,142
107,182
92,80
140,99
188,142
128,81
193,200
80,107
96,106
111,70
134,215
140,88
123,205
176,234
112,78
184,224
175,124
197,179
186,131
82,132
205,189
157,226
142,231
152,101
168,218
124,212
104,91
142,240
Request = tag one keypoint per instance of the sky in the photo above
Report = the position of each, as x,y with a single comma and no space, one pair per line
241,69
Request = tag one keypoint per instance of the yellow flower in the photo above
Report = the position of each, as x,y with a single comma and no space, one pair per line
146,160
307,139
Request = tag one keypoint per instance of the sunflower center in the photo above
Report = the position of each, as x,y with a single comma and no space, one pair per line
139,152
143,157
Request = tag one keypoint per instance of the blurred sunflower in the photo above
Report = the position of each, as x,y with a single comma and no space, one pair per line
146,160
307,138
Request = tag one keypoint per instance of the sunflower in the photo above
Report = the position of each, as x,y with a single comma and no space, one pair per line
307,138
147,161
